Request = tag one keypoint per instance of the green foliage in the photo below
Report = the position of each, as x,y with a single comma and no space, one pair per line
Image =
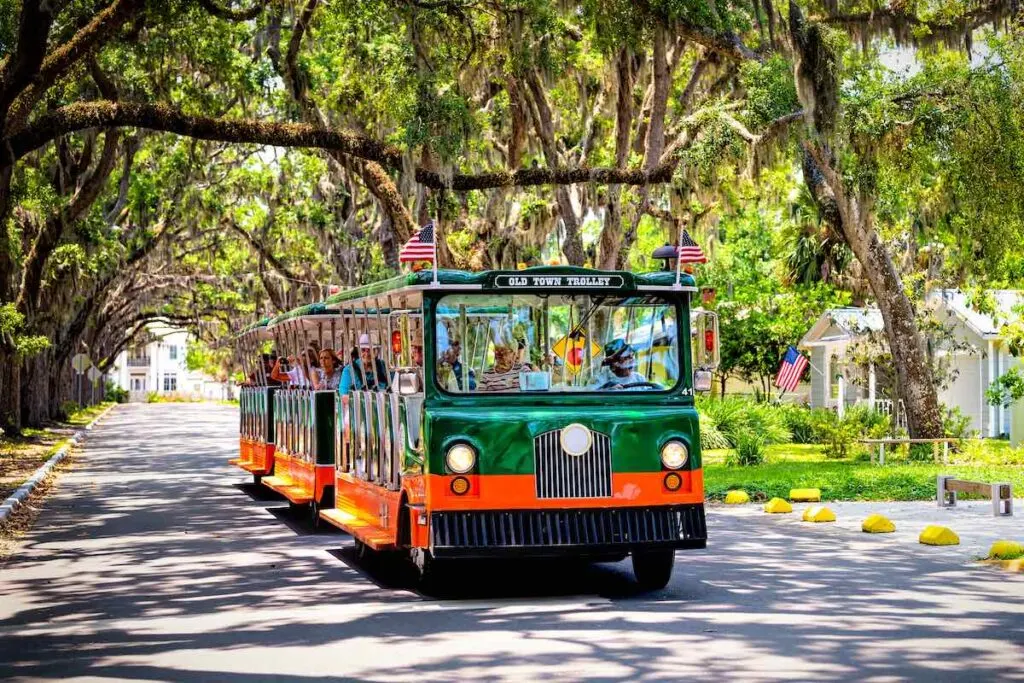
845,480
1007,389
955,423
750,450
743,425
115,394
12,325
841,435
800,421
771,90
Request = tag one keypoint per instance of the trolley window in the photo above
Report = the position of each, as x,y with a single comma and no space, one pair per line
512,343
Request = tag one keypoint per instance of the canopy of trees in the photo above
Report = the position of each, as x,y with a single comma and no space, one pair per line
206,161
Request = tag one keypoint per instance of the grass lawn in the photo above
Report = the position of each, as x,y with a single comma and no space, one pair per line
805,466
19,457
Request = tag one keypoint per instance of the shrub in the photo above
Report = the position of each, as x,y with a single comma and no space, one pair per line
735,417
799,421
710,436
955,424
116,394
153,397
749,451
841,436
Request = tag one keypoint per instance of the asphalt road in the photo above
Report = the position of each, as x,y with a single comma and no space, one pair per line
155,561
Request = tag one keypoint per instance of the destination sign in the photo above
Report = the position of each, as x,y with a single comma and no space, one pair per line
558,281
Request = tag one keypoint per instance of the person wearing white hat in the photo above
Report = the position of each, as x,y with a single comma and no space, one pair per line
358,375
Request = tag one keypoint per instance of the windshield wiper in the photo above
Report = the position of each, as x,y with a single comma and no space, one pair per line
578,329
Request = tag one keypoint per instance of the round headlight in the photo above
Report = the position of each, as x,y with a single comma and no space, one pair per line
576,439
460,458
674,454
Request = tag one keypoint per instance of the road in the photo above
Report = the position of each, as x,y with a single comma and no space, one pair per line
154,560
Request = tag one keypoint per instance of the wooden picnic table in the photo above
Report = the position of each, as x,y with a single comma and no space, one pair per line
882,443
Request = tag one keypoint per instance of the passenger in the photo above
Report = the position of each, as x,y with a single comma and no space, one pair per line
269,361
618,367
450,359
358,377
328,375
504,375
295,374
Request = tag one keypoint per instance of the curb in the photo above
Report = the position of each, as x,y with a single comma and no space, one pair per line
15,500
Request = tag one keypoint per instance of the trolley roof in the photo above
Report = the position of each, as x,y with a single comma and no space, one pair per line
405,291
257,329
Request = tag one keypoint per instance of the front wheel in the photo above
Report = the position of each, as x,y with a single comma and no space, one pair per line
653,568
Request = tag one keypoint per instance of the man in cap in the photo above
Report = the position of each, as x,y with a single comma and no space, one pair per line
364,373
617,368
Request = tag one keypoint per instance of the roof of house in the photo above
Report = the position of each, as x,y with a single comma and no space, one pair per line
986,325
843,324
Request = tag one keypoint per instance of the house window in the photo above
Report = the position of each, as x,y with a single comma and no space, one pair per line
172,351
170,383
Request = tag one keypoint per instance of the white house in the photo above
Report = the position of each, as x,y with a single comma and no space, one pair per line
156,364
980,357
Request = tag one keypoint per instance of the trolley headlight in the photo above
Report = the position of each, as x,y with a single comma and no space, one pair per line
674,454
460,458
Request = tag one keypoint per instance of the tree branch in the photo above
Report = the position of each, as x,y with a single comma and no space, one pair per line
233,14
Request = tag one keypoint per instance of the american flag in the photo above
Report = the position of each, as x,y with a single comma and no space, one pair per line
420,246
690,251
792,369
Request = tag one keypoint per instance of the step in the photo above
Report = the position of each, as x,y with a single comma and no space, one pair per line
237,462
370,534
295,494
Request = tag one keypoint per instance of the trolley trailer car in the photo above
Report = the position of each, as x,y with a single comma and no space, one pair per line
540,412
303,415
256,405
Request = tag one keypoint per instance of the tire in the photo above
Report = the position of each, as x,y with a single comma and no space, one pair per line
257,479
653,568
428,570
314,515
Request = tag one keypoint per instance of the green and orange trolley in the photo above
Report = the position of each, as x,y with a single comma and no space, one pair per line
542,412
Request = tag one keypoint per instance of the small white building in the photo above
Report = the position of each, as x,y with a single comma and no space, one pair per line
978,359
156,364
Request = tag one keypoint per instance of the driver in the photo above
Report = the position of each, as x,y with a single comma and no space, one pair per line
617,367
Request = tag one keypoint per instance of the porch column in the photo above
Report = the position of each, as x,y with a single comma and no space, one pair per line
871,385
992,426
981,393
841,407
1000,371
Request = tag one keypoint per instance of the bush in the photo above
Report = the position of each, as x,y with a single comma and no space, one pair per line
735,417
116,394
955,424
799,421
749,451
153,397
841,436
711,437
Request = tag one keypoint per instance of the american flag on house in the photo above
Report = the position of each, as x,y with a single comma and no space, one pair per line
690,251
792,369
421,246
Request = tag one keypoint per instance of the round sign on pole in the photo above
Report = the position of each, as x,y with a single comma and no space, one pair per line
80,363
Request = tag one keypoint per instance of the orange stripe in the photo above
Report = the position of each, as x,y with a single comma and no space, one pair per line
518,492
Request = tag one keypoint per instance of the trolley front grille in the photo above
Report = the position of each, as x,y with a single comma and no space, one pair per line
564,528
560,475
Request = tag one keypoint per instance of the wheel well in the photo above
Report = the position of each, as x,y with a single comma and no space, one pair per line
328,496
404,538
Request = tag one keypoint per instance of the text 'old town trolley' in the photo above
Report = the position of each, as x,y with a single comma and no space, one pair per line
540,412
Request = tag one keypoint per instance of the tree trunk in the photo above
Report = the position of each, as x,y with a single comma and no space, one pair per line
851,213
10,391
36,405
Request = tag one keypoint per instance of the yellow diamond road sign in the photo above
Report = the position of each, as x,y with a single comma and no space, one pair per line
573,351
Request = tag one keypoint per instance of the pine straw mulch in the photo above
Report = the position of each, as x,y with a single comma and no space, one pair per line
14,528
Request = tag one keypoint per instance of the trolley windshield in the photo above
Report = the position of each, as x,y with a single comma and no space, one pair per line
513,343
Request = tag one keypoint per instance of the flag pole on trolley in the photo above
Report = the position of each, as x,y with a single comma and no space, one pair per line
437,225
